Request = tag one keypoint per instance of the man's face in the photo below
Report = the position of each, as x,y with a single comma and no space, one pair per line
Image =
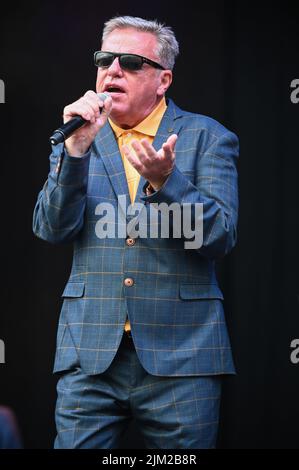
138,91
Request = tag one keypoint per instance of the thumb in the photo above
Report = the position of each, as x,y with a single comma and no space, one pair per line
171,141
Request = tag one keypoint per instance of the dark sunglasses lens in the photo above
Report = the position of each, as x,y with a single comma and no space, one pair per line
130,62
102,59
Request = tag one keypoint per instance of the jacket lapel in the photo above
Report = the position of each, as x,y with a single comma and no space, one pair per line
106,147
170,124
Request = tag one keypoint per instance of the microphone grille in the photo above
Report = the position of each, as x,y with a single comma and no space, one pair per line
103,96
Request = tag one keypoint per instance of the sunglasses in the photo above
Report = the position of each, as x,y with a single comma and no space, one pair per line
126,61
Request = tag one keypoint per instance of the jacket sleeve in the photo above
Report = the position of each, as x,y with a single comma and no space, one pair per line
216,188
59,211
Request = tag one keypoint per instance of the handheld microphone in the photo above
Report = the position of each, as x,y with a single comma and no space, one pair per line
67,129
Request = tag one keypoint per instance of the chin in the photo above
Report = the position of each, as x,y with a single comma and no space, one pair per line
119,113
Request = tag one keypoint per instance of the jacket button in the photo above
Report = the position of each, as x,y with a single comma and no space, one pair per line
130,241
128,282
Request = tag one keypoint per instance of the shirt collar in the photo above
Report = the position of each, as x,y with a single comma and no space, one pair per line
148,126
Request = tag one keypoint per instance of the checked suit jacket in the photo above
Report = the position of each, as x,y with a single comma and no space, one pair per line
174,303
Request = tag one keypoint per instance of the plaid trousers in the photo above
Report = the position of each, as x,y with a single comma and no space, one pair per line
94,411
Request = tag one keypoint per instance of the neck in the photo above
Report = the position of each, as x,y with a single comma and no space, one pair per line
127,123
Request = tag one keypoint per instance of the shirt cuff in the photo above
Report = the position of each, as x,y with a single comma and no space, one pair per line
149,190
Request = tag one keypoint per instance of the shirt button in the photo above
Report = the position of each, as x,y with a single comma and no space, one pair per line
128,282
130,241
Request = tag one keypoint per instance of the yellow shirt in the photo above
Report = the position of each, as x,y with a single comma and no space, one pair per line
145,129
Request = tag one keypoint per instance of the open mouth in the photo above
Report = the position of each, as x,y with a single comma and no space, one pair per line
113,89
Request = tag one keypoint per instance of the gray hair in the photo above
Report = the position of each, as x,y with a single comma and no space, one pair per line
168,47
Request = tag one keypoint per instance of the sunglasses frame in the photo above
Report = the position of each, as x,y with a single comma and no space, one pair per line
145,60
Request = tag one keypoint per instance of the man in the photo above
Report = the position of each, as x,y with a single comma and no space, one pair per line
142,330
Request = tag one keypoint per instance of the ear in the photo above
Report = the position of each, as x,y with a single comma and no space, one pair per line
165,82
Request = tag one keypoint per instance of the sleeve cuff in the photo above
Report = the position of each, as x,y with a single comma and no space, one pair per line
173,189
67,169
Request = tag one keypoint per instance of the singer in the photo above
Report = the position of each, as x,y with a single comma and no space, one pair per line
142,330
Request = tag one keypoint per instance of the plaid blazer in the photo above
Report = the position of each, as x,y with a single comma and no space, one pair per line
172,297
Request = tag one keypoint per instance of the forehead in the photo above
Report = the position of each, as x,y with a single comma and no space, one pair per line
131,40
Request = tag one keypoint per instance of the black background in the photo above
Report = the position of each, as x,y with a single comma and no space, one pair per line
236,64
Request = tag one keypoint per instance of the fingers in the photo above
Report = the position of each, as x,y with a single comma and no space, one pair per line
150,163
143,151
148,149
106,106
138,158
101,107
88,106
148,156
133,159
169,145
90,98
172,140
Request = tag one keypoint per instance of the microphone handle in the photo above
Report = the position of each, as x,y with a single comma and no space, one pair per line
66,130
61,134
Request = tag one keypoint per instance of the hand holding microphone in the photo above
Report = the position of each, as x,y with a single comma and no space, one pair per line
82,121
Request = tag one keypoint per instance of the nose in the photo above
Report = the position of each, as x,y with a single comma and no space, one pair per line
115,69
